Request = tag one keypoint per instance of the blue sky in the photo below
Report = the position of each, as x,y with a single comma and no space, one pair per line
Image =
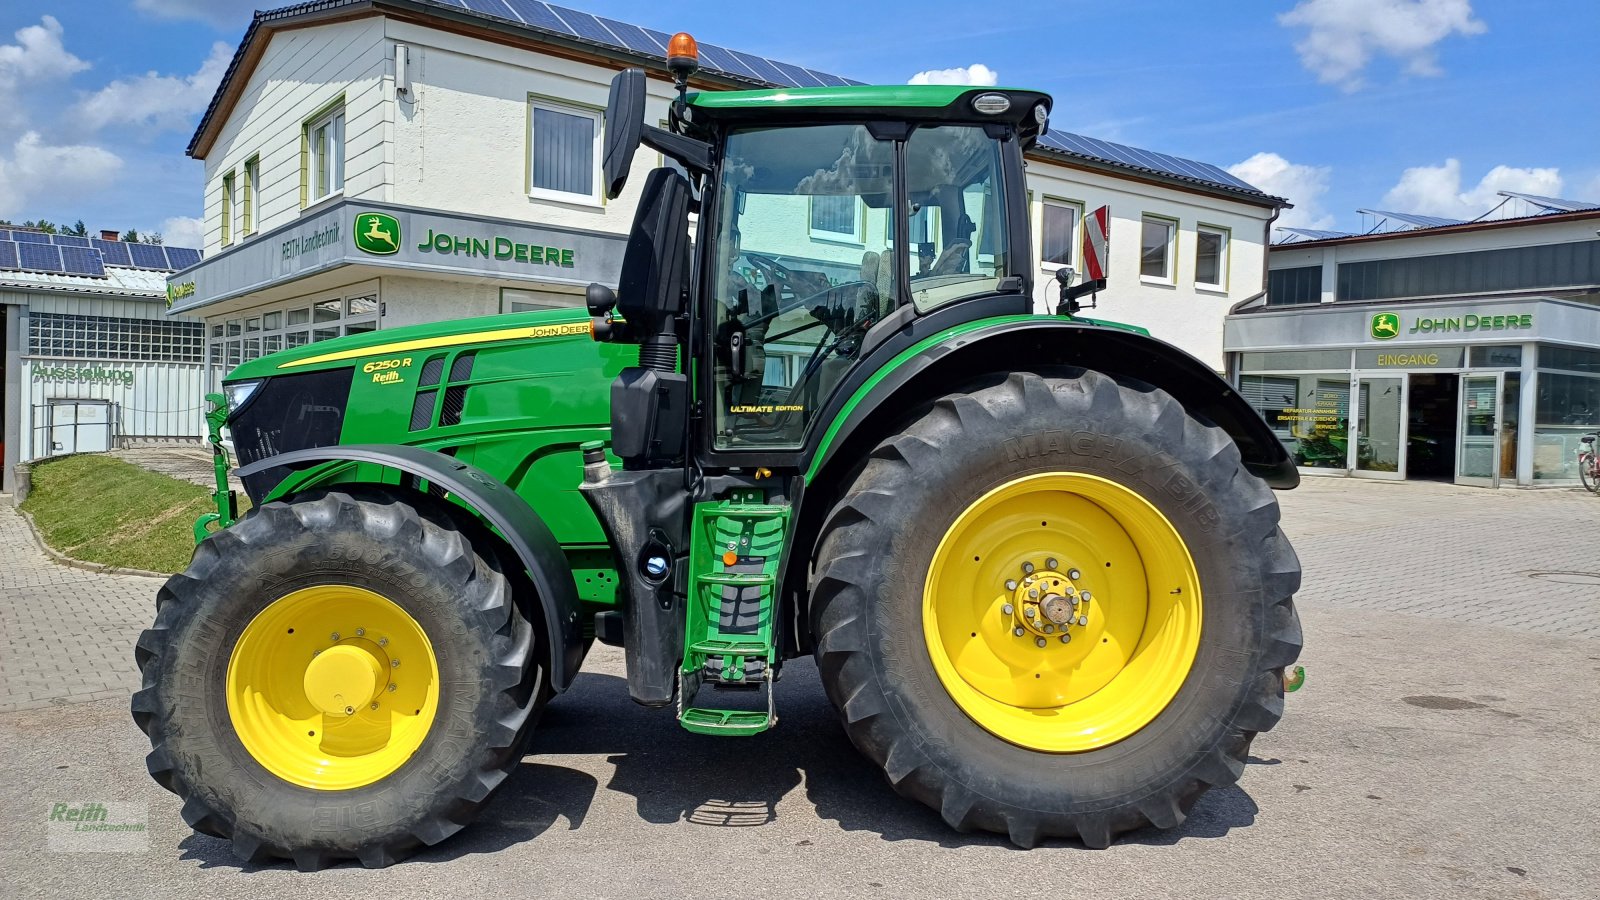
1423,105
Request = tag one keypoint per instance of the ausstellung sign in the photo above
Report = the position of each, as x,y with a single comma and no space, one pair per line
374,234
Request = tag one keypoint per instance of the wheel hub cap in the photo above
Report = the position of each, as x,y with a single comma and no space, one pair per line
344,679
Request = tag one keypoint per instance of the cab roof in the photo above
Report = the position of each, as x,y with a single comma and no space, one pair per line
902,101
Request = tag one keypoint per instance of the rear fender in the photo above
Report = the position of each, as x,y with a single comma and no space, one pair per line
497,506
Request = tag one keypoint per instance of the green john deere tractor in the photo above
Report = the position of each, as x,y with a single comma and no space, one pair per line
1036,557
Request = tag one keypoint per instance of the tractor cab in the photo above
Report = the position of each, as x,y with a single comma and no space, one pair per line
829,219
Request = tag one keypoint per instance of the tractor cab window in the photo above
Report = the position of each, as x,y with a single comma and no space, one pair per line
805,264
956,220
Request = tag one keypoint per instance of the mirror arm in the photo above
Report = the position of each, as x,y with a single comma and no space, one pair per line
695,155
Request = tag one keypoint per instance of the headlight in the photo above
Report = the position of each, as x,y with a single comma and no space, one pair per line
239,393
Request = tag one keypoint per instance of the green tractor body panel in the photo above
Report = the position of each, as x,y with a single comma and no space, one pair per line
862,96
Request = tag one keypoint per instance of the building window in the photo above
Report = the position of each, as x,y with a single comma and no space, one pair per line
227,209
1156,250
1294,287
836,217
563,152
101,337
248,203
324,155
1211,257
1060,232
1574,264
515,300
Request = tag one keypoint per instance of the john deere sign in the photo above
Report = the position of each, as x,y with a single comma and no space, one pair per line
399,237
377,233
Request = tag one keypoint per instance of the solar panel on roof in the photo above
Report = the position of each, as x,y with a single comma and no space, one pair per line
764,69
30,237
828,80
82,261
586,26
8,254
148,256
35,257
69,240
723,61
538,14
799,76
182,257
114,252
5,234
633,37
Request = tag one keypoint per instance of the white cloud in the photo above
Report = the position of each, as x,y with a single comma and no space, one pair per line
38,54
1300,184
1590,191
975,74
183,231
62,173
221,13
156,101
1437,191
1342,36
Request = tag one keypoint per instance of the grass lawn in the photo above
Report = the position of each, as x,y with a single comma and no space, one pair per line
103,510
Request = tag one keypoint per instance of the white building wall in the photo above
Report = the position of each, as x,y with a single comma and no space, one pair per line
300,73
461,138
1180,313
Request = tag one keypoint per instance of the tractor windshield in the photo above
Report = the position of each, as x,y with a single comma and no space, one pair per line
813,249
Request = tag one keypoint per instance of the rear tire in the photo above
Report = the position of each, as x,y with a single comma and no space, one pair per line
875,591
1591,479
219,667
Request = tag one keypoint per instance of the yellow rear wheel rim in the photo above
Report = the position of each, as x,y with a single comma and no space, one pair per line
1062,612
332,687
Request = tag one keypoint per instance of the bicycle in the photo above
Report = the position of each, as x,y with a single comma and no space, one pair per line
1589,463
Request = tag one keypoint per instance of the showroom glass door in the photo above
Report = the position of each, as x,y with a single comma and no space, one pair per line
1378,445
1478,431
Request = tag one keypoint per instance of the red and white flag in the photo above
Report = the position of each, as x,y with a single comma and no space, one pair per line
1097,244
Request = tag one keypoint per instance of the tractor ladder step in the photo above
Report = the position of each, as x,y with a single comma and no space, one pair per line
729,633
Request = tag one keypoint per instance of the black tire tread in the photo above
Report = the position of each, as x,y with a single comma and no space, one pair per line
851,534
442,545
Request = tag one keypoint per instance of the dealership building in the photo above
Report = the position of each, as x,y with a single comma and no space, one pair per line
377,163
1431,349
91,360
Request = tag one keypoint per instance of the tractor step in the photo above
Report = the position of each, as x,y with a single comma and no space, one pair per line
729,634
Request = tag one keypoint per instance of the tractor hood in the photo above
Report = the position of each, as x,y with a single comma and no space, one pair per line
410,339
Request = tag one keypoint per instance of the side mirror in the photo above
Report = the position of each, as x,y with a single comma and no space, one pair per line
623,126
655,266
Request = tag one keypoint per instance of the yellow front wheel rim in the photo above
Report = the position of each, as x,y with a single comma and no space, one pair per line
1062,612
332,687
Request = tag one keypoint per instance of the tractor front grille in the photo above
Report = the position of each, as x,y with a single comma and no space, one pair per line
288,412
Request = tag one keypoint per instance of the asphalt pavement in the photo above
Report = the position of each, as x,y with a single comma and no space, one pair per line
1446,744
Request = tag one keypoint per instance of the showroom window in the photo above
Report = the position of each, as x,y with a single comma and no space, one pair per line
836,217
563,152
235,341
1211,258
1566,407
1059,232
60,336
1156,249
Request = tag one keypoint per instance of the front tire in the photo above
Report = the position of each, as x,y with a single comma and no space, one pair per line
336,677
1586,472
1167,582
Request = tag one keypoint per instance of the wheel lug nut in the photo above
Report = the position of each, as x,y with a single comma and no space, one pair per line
392,687
374,704
1086,596
1018,631
1027,568
1011,584
1050,563
1066,639
383,642
394,664
336,635
1074,574
1033,592
1008,609
1049,629
361,632
1073,600
1039,642
1082,620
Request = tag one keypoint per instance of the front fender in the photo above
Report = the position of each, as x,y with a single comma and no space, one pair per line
500,508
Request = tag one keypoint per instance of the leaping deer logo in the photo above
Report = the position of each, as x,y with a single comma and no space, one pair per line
1385,326
377,233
